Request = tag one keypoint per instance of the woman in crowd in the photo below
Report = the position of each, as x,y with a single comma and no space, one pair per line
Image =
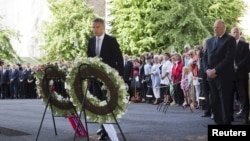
166,66
155,78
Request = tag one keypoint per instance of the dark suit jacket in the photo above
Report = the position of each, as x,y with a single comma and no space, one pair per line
128,71
14,75
220,56
4,77
110,52
241,60
201,72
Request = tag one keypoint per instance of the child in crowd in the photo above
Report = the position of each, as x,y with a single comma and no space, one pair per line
186,84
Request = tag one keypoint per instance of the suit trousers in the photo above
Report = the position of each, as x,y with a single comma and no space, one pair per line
221,100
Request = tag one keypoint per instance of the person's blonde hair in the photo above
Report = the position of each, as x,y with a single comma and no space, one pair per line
184,69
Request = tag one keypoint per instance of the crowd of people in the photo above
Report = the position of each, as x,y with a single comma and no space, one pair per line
214,78
17,81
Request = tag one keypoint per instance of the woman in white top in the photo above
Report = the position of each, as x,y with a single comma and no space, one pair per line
166,67
155,78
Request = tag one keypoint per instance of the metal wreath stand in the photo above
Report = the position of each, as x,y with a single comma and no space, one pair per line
84,74
45,86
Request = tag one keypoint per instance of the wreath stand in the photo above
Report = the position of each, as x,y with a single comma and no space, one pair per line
53,117
46,107
83,109
166,106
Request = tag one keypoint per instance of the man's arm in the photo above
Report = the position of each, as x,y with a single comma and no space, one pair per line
118,57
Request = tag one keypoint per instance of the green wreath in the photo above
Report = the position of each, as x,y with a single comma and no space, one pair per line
114,86
44,81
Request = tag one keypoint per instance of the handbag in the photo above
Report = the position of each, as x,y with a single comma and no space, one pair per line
135,83
148,80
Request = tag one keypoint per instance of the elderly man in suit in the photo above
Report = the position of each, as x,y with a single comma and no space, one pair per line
241,70
219,67
107,48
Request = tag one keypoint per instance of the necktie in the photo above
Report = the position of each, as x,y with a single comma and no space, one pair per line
97,50
215,42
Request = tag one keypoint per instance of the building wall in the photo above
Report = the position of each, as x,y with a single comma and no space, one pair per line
98,6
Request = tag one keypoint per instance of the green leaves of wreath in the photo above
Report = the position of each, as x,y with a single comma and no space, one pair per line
114,86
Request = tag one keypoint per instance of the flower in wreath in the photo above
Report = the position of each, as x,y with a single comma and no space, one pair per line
49,77
83,71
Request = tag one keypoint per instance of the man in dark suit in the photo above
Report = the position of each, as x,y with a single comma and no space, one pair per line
14,81
241,70
4,81
128,74
219,67
107,48
204,83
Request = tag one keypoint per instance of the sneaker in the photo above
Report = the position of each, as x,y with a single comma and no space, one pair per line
173,103
184,104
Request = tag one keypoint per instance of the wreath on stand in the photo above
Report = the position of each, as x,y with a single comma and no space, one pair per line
116,90
45,79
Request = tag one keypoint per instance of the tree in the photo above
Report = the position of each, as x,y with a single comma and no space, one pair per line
66,36
149,25
7,53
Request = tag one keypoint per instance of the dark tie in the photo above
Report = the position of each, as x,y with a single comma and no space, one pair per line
216,40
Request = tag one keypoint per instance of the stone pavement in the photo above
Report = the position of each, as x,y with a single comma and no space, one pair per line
20,120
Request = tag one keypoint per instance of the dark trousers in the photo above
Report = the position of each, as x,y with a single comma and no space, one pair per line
14,89
23,89
221,100
144,90
178,94
95,89
129,89
5,90
242,89
206,94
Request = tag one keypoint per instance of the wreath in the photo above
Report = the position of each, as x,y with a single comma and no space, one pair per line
112,84
45,80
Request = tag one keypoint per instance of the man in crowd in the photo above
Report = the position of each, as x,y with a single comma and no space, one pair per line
241,70
219,67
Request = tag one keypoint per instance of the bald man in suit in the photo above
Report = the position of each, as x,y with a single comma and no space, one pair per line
219,67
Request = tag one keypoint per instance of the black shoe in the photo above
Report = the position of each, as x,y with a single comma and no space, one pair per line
232,118
212,116
103,137
246,121
206,115
239,115
99,131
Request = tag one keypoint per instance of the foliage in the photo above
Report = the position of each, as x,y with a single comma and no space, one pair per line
67,34
151,25
7,52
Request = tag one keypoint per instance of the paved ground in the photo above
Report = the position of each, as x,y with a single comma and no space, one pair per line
20,120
